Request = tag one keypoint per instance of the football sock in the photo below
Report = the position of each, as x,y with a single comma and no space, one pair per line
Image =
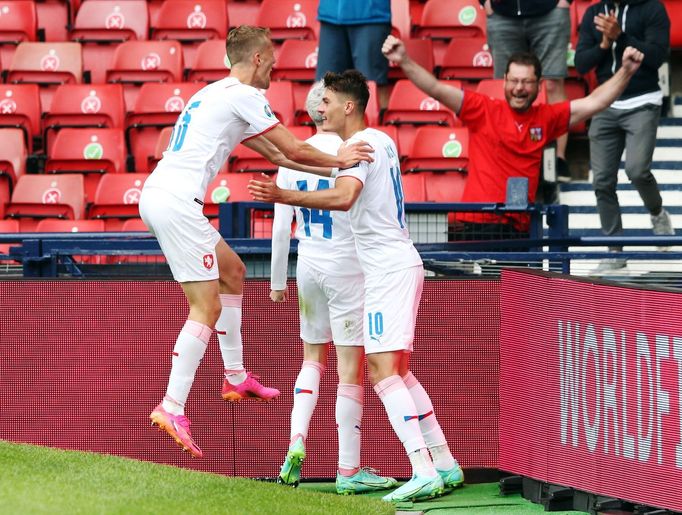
401,411
421,463
228,328
306,393
349,399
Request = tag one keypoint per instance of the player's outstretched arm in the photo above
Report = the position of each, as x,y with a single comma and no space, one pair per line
603,96
301,152
339,198
270,152
394,50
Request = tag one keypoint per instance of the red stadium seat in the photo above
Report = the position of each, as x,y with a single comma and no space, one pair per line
54,16
52,225
443,20
117,198
84,105
20,108
134,225
242,12
161,146
296,61
101,24
7,227
243,159
18,22
12,163
210,63
48,65
191,22
46,196
467,59
420,51
92,152
280,94
392,132
444,187
414,189
674,8
158,105
137,62
438,149
289,19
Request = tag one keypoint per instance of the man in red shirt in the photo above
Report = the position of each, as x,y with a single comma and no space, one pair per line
507,137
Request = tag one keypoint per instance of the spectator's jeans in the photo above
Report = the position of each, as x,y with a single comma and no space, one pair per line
610,132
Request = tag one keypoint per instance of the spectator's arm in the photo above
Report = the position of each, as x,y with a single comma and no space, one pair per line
588,52
656,43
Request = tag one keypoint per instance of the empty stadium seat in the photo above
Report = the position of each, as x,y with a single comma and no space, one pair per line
289,19
134,225
210,63
92,152
674,8
443,20
48,65
420,51
191,22
117,198
46,196
414,189
296,61
280,95
7,227
438,149
84,105
157,106
54,16
101,24
467,59
20,108
243,159
12,163
227,187
18,22
160,148
137,62
242,12
52,225
444,187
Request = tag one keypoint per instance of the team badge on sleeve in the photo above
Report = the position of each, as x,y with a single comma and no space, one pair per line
268,111
536,133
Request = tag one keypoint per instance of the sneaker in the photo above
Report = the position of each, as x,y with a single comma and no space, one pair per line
250,388
178,427
452,478
609,265
290,472
364,480
563,174
417,489
662,226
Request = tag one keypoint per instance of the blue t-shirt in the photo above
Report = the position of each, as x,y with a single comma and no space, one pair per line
354,12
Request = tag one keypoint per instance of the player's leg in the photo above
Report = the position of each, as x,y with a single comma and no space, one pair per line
390,317
237,384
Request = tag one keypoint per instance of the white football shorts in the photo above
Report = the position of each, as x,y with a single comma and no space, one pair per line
185,235
330,307
391,305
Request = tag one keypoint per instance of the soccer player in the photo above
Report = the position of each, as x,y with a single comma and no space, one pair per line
394,275
330,285
211,274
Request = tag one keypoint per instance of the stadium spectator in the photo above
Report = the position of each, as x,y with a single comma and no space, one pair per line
329,282
351,34
542,27
631,121
394,277
211,274
506,137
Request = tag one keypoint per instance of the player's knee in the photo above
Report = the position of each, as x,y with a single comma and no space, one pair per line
232,277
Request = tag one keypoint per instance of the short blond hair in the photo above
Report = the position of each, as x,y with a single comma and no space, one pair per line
244,40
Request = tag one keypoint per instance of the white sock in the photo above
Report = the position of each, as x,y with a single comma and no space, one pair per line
306,393
228,327
422,464
402,413
349,398
430,428
187,354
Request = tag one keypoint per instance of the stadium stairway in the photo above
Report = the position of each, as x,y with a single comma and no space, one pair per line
666,167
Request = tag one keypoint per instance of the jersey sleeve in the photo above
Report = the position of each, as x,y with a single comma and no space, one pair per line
558,117
254,109
359,170
473,110
281,238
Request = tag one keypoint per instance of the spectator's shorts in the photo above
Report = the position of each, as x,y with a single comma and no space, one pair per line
343,47
330,307
547,36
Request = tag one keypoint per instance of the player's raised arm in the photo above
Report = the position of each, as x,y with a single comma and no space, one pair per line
268,150
394,50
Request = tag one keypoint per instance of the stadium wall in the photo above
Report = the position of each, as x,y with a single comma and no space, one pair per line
84,362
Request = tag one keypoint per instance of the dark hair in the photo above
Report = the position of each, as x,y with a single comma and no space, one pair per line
351,83
526,59
243,41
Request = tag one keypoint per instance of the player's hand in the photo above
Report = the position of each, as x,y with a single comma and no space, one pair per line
394,49
608,26
632,59
265,190
278,295
350,154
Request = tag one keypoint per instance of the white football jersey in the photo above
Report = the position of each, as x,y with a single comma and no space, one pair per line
325,239
216,119
378,216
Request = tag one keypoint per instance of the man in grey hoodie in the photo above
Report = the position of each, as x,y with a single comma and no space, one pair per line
630,123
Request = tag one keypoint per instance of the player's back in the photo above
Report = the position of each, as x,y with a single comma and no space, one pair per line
325,239
378,216
214,120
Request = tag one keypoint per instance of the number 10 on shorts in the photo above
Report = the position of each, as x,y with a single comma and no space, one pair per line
375,324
